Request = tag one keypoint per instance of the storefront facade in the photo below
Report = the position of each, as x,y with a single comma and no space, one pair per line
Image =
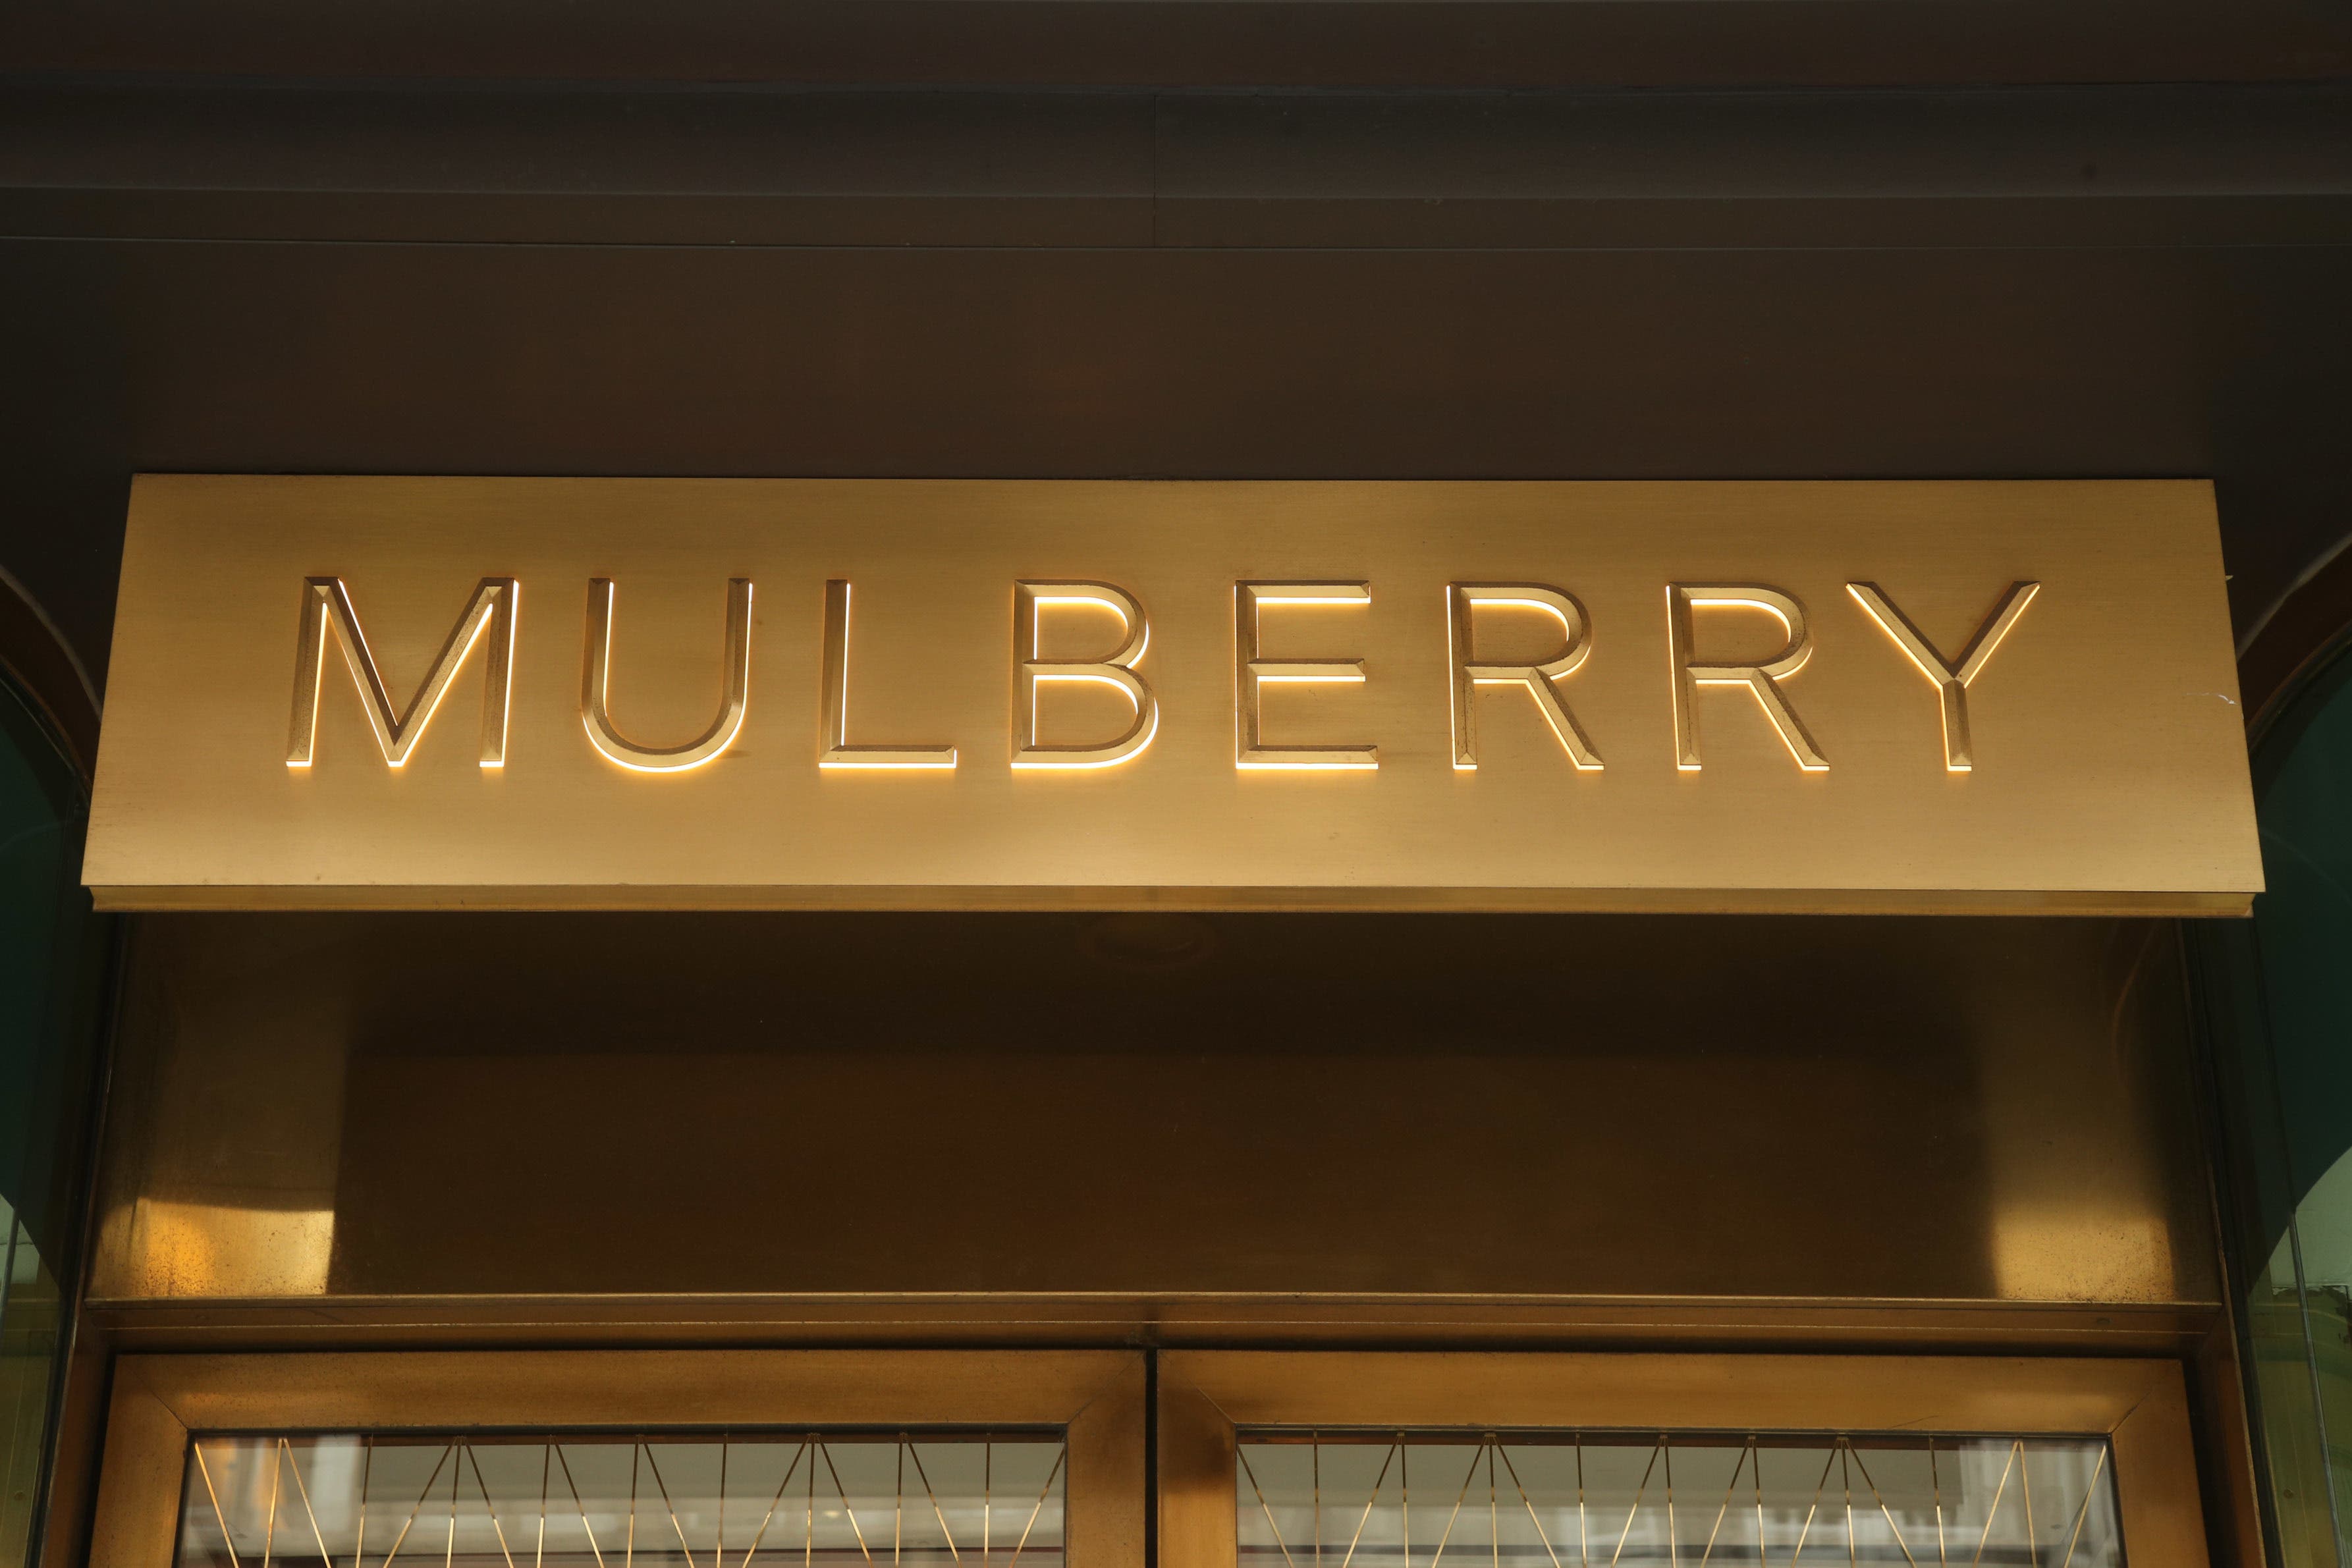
1235,1122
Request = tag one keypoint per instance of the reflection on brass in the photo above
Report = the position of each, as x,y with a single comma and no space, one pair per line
1760,678
1470,672
735,697
833,749
325,600
1116,670
1252,672
2108,767
1951,680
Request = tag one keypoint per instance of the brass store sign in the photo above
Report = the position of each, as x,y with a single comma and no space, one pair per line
605,693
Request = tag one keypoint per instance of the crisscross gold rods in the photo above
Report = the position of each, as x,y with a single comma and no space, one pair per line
308,1512
1447,1533
2025,1486
457,1474
1992,1510
773,1503
719,1544
898,1505
668,1507
1251,1471
1372,1502
1845,1493
205,1470
1038,1507
1405,1495
1666,1455
1729,1488
1633,1513
826,1452
367,1474
916,1455
594,1550
629,1536
277,1479
1493,1518
2090,1490
1814,1508
1528,1503
546,1466
406,1524
1936,1479
1893,1528
488,1507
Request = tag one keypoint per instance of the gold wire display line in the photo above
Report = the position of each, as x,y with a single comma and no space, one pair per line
1893,1528
1936,1482
1729,1490
826,1452
669,1506
417,1508
1626,1531
2025,1487
1813,1510
1528,1503
1250,1470
594,1550
920,1474
277,1479
1992,1510
488,1507
2090,1490
1447,1534
205,1470
1038,1507
310,1514
1372,1502
774,1503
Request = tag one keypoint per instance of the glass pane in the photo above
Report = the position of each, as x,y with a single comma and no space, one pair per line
1675,1500
921,1501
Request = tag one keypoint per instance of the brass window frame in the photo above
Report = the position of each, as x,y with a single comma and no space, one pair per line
1206,1398
1097,1397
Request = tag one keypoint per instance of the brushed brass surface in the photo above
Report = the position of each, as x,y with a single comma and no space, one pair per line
1305,1109
2141,1406
1764,739
1098,1396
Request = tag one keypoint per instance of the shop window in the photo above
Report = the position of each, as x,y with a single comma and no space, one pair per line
1348,1460
1555,1499
652,1459
49,958
2278,995
935,1500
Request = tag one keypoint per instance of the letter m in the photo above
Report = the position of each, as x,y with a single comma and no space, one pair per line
325,604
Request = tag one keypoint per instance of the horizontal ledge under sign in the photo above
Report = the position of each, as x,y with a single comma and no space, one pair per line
399,692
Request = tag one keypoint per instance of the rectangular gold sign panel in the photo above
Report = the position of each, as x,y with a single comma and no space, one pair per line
625,693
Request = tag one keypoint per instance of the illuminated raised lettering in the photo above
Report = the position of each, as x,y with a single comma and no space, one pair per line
1032,674
1683,600
833,749
1461,598
1252,673
1951,680
735,692
325,603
